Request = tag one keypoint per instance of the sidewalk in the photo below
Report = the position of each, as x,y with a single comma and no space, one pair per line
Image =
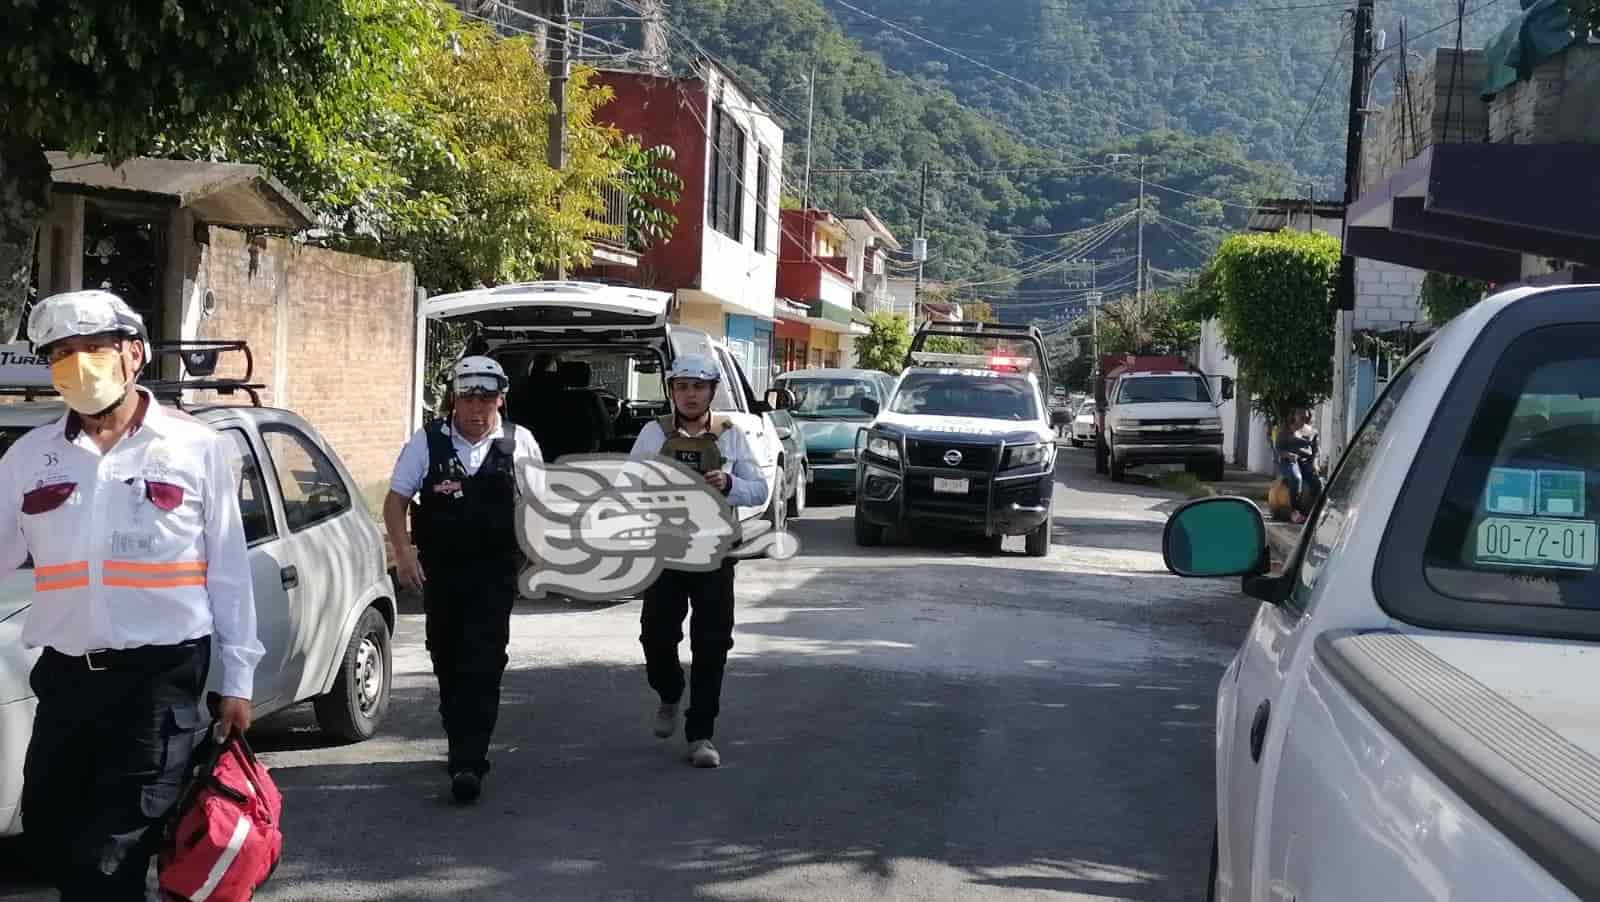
1282,537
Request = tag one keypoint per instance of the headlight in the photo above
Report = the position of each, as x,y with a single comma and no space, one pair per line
846,454
1126,423
883,446
1028,455
1209,423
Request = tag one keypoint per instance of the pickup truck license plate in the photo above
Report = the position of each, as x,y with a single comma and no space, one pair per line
950,486
1529,542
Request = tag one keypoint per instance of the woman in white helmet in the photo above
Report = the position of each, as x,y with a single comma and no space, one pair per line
693,435
466,556
131,516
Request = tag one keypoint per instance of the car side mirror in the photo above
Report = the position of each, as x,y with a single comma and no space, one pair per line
1215,537
779,399
869,406
1227,388
784,432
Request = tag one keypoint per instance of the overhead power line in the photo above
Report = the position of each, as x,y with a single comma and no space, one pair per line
1025,83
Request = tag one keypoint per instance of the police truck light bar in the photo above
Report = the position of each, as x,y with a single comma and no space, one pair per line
972,361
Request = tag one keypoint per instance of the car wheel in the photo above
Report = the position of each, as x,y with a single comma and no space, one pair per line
359,700
1218,471
797,501
1119,471
867,534
1038,542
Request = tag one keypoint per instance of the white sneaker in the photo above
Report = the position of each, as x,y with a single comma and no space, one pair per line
703,754
666,720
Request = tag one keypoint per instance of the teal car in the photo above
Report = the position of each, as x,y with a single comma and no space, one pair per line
831,406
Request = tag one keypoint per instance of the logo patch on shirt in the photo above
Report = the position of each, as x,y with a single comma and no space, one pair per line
449,487
131,544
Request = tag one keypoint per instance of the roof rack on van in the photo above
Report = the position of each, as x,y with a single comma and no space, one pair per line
199,367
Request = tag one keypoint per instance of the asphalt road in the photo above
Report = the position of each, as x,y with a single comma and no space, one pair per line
910,722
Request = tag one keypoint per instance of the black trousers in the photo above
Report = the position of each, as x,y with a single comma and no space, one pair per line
468,615
668,599
106,762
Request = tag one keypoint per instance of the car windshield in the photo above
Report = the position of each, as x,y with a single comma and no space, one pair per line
988,396
832,398
1147,389
1086,409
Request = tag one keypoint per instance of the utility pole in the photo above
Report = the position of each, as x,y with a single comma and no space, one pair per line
560,72
1141,242
653,34
1359,74
919,248
811,119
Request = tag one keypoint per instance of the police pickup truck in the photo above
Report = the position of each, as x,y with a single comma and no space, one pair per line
965,443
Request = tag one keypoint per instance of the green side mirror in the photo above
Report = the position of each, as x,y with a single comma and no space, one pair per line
1215,537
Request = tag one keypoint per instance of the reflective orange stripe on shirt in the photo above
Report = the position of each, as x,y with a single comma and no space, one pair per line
61,576
142,575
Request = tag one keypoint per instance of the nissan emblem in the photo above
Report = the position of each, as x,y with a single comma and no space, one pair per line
952,457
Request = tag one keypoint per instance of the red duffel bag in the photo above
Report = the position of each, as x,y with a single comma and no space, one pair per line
224,838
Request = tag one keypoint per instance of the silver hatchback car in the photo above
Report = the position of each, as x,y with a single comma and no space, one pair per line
325,605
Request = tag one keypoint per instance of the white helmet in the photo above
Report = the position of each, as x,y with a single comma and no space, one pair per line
478,376
74,313
694,366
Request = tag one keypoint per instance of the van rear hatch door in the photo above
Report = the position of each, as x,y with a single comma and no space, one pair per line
527,309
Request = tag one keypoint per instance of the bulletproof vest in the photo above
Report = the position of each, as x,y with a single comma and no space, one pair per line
465,518
700,453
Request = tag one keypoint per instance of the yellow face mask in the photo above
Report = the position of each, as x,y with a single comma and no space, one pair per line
90,381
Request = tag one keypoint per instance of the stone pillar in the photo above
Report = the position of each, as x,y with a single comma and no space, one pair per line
61,245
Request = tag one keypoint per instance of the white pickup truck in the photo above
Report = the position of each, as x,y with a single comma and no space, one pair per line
1415,713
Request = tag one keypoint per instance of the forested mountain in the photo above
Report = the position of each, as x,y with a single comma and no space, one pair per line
1211,93
1249,69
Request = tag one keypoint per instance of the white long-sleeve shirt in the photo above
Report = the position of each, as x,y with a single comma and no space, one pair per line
141,545
738,461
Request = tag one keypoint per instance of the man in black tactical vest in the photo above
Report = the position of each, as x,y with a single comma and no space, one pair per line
466,556
715,447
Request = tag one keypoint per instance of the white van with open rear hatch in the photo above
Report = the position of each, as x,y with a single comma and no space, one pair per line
587,363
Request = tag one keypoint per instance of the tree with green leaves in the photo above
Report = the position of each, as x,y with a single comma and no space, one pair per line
432,149
1277,316
653,187
1445,296
1155,327
885,345
90,76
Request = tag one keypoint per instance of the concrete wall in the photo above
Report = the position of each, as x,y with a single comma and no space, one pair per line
1398,133
1555,106
333,336
667,111
1212,358
1387,295
730,266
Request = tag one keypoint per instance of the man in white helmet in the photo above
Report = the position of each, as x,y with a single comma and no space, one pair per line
713,445
466,556
130,514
